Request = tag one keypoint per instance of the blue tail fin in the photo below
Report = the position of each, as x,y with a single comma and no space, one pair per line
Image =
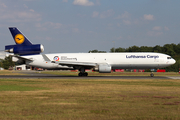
23,45
19,38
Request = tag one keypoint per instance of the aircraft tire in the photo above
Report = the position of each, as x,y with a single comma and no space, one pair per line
83,74
152,75
80,74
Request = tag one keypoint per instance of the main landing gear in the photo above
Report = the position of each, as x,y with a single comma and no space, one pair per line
82,72
152,75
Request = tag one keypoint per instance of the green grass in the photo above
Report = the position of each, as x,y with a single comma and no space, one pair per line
18,88
89,99
9,72
18,85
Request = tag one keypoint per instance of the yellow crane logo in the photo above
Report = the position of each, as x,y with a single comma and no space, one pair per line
19,38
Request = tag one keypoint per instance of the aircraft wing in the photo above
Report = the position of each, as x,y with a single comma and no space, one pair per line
67,63
75,63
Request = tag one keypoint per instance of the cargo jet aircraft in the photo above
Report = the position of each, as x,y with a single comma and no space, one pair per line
28,53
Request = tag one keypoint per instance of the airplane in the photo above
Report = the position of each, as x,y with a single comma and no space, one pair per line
30,54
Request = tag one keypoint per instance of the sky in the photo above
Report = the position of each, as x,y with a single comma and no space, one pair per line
78,26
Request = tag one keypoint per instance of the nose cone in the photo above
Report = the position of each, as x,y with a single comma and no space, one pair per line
173,61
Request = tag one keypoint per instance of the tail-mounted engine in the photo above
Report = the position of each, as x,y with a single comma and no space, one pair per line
25,50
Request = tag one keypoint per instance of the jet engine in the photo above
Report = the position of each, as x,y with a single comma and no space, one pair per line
25,50
103,68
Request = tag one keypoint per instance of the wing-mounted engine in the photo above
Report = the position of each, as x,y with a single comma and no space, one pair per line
25,50
103,68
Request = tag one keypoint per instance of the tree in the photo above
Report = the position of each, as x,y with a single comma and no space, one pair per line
96,51
1,62
120,49
112,49
133,49
157,49
7,62
169,49
145,49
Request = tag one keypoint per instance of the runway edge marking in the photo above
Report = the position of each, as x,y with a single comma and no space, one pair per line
174,77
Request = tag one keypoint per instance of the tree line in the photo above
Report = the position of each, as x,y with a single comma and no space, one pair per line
7,63
170,49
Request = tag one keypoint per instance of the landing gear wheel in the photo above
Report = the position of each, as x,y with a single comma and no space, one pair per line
152,75
80,74
83,74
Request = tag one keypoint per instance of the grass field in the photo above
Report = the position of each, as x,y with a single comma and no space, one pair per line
9,72
89,99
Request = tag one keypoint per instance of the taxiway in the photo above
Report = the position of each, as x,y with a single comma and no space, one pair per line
39,75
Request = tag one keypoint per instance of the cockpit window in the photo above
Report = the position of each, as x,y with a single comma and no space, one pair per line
169,58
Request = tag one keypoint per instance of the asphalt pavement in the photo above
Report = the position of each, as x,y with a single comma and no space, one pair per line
35,74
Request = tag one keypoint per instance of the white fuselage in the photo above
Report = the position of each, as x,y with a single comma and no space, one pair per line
126,60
